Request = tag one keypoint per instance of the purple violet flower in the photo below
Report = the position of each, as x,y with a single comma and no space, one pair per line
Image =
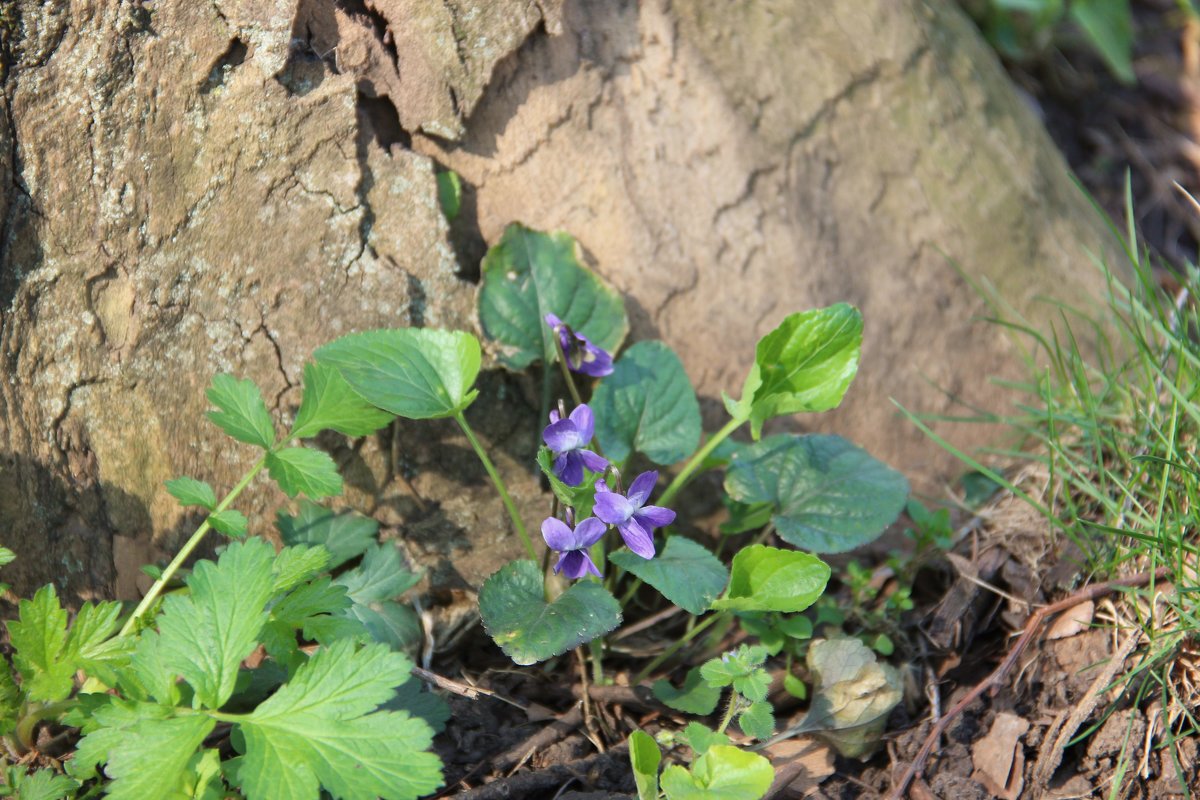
582,356
567,439
574,561
634,519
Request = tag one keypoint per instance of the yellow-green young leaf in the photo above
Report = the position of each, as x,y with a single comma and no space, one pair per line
758,720
241,411
529,274
302,469
229,522
701,737
43,784
322,730
449,193
39,637
191,492
828,495
645,757
204,635
769,579
417,373
722,773
345,534
330,402
6,556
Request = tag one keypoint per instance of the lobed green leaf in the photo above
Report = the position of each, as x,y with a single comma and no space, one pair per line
304,470
192,492
229,522
344,534
329,402
241,413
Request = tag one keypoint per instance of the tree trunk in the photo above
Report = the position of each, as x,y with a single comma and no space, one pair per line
194,187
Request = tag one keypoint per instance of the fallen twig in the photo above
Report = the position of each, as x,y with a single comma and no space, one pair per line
517,756
527,783
993,680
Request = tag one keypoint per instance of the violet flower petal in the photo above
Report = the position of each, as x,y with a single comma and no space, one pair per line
593,461
585,423
563,436
558,535
652,517
637,538
642,486
589,531
612,508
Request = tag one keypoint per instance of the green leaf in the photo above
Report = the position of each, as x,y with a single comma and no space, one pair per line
203,636
722,773
191,492
90,643
330,403
302,469
6,556
685,573
10,699
741,669
696,696
769,579
529,274
321,729
344,534
1109,28
701,737
645,757
581,497
758,721
449,193
146,748
829,495
242,413
527,628
795,687
418,373
647,404
39,637
41,785
230,522
806,364
745,516
372,586
298,563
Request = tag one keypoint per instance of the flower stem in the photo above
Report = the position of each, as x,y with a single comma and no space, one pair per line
694,463
186,550
674,648
498,483
570,379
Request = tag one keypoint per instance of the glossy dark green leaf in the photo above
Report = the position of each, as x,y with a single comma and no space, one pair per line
696,696
829,496
685,573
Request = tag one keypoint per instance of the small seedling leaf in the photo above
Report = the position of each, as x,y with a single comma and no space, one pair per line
529,274
769,579
685,573
449,193
645,758
647,404
417,373
701,737
829,496
527,628
241,413
758,720
722,773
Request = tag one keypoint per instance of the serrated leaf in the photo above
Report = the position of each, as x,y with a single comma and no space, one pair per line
418,373
192,492
39,636
696,696
644,757
529,274
229,522
321,730
701,737
302,469
412,696
330,403
647,404
242,412
527,628
741,669
344,534
581,497
10,699
204,635
769,579
40,785
722,773
382,575
829,496
685,573
805,364
389,623
296,564
758,720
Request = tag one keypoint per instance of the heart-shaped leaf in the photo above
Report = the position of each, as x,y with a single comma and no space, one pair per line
529,274
723,773
527,628
685,573
647,404
806,364
769,579
418,373
829,496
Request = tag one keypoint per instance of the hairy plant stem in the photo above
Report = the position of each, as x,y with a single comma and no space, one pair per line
499,484
730,710
694,463
674,648
191,544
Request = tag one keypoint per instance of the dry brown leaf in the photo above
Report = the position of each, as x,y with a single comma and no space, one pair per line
999,758
1073,621
801,764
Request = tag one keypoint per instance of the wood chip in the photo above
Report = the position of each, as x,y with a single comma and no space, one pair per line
999,757
1073,621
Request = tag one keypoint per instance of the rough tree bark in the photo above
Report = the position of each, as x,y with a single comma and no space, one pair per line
194,186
